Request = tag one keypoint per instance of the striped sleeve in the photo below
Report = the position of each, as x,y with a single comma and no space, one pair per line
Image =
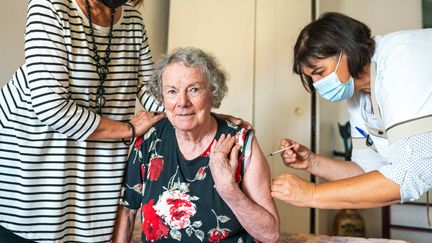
145,73
47,65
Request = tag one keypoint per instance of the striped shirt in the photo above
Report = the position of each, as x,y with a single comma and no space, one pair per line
55,184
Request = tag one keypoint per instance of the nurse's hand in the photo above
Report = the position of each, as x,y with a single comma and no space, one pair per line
293,190
234,120
298,157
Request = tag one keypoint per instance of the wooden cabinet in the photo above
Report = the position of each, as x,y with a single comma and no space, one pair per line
407,221
253,41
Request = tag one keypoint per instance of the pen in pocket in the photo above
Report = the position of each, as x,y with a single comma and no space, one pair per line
369,141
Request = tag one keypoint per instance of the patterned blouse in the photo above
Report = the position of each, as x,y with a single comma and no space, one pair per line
178,198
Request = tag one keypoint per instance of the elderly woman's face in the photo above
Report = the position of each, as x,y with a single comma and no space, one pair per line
187,96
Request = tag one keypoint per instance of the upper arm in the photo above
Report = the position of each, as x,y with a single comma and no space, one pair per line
133,182
257,179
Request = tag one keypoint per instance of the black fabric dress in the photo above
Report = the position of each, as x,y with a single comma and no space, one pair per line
177,197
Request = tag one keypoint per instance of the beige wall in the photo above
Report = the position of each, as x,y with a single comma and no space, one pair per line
12,23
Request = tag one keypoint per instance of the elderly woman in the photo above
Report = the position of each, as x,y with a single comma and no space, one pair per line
196,177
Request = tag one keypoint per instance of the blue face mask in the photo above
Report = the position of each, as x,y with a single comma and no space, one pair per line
331,88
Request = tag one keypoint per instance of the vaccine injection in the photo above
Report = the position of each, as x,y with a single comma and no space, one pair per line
281,150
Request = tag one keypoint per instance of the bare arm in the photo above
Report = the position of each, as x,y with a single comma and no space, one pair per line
364,191
300,157
111,129
369,190
333,169
253,207
124,224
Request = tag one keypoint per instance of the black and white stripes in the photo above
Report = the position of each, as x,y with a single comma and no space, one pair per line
54,183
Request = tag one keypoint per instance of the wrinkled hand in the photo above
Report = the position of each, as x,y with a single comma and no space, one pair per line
298,157
293,190
143,120
223,169
234,120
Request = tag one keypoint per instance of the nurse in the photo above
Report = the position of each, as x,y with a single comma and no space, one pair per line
387,82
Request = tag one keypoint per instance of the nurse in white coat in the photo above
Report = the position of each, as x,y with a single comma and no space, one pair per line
387,82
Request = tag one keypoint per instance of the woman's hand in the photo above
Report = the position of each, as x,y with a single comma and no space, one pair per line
142,121
298,157
223,169
234,120
293,189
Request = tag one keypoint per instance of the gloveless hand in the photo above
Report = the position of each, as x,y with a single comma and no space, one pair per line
298,157
223,169
143,120
293,189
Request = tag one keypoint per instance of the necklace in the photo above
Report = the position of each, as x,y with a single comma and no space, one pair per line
101,63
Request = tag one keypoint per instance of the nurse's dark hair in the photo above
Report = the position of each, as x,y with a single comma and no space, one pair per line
326,37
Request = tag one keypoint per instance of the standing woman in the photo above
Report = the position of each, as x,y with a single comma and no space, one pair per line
67,118
387,81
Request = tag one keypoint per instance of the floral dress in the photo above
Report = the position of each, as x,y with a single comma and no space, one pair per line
178,198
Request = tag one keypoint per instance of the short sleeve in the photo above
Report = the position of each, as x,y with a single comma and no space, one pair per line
133,183
411,166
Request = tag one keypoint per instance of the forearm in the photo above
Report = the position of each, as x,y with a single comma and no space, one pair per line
124,224
110,129
332,169
369,190
256,220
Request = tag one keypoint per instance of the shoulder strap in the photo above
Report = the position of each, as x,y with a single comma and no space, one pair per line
376,110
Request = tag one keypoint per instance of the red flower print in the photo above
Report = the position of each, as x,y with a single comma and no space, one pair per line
152,226
138,142
180,216
176,209
155,168
217,235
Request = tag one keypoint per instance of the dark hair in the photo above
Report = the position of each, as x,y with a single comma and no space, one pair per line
327,36
195,58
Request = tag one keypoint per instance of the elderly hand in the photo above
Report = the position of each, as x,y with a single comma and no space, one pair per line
223,169
234,120
298,157
293,189
143,120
